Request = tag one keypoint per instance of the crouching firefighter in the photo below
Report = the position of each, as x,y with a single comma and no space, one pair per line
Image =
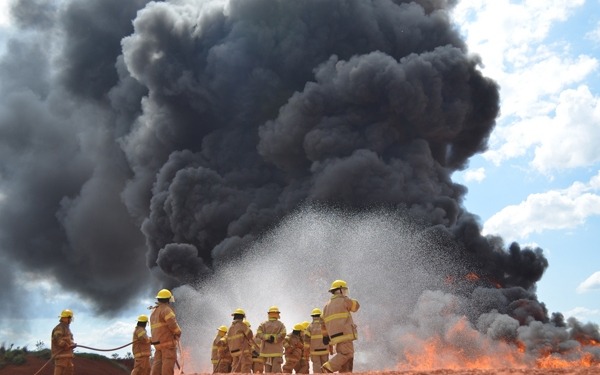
339,328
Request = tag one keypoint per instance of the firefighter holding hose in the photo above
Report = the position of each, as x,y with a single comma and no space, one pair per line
165,333
141,347
62,345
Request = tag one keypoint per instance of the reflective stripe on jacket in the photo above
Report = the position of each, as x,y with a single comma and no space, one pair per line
61,341
163,326
141,343
337,318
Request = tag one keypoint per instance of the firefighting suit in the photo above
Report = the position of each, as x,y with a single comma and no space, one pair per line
224,357
238,340
319,352
62,349
341,330
272,332
294,349
141,352
165,332
214,354
258,362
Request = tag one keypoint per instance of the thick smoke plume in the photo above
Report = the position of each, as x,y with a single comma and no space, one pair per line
156,143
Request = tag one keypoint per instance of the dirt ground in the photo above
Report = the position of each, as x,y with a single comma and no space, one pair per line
85,366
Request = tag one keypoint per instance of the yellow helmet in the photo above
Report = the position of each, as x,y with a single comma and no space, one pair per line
143,318
316,312
298,327
246,322
239,312
337,284
164,293
222,329
66,313
305,324
274,309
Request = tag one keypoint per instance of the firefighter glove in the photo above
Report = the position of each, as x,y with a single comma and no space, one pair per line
271,339
73,346
254,354
326,340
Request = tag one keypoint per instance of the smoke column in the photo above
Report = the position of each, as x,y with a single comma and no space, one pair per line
189,142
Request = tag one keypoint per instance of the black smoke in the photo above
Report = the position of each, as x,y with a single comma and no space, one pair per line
170,136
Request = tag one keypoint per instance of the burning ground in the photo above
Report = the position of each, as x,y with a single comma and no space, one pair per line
248,152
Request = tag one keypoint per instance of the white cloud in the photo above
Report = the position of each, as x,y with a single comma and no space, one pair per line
569,139
583,314
5,13
476,175
540,110
589,284
594,35
553,210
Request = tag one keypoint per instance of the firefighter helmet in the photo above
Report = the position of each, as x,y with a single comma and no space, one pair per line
164,293
305,324
274,309
316,312
66,313
298,327
239,312
338,284
222,329
247,323
143,318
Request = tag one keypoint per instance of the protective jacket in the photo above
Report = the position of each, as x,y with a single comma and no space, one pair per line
141,343
271,328
337,318
238,338
294,348
164,327
314,337
62,341
214,354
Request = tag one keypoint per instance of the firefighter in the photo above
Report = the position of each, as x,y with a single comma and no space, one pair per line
141,347
239,338
258,362
62,345
338,327
293,344
303,366
165,333
319,353
272,332
225,358
214,355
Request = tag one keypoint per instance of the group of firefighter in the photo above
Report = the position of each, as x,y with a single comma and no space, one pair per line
237,349
332,331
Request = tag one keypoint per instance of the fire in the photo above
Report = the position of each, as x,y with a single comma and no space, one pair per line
472,276
550,361
461,347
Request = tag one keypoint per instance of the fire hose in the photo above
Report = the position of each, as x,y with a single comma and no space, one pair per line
81,346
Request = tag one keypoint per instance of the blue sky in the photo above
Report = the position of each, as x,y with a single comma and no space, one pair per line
539,182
